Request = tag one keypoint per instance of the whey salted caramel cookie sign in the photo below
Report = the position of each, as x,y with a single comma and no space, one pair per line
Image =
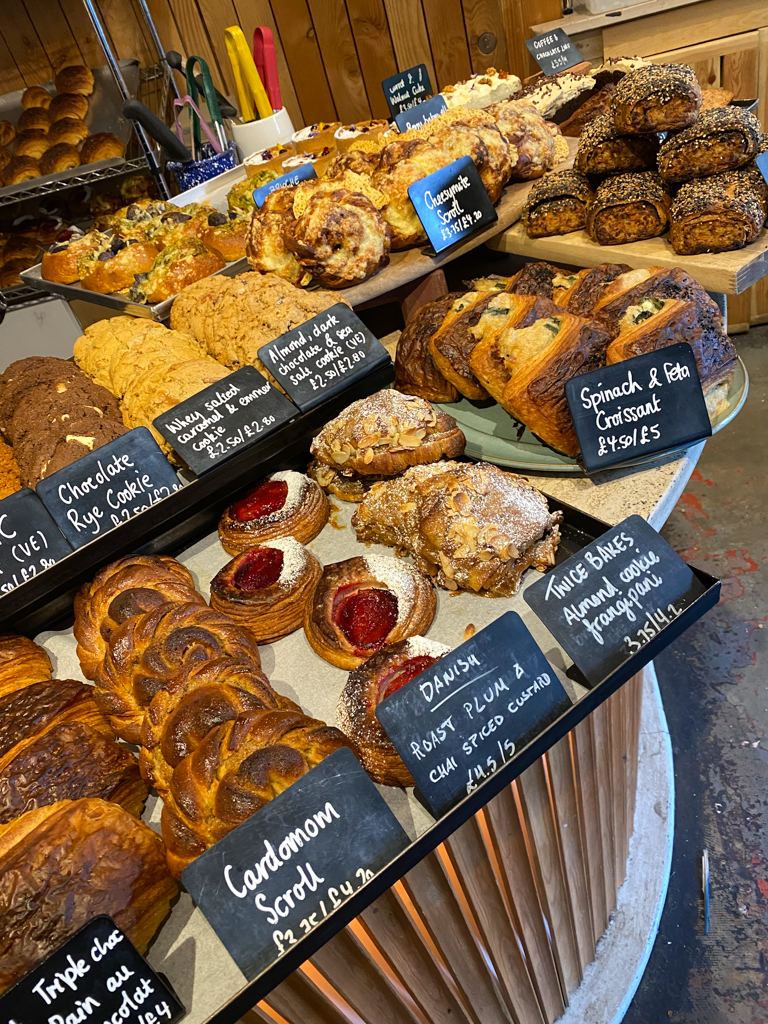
212,425
452,203
321,356
108,487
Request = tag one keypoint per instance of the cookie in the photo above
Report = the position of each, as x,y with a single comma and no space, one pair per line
75,445
25,374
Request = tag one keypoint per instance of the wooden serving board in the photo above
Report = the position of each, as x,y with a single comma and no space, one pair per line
728,272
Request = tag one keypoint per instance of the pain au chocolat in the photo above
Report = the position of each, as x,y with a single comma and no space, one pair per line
284,504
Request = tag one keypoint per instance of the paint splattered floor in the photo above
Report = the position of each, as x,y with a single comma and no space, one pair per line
714,682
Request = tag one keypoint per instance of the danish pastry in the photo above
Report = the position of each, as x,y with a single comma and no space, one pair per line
386,433
348,488
629,207
363,603
656,98
604,150
60,263
470,526
238,768
415,370
112,265
716,214
578,293
285,504
557,204
266,587
22,662
366,687
630,288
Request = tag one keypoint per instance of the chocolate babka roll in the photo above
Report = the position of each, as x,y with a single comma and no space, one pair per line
721,140
557,204
716,214
656,98
604,150
627,208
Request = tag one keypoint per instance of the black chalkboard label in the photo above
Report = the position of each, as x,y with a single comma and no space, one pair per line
98,976
419,114
322,355
108,487
605,603
638,408
762,165
301,173
406,89
278,875
235,412
452,203
553,51
472,711
30,541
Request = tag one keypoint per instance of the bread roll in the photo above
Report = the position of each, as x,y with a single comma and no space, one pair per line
76,78
32,142
34,117
67,129
61,157
35,96
68,104
101,146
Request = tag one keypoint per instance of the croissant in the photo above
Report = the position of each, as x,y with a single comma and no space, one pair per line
193,702
147,651
21,662
578,293
131,586
64,864
630,288
56,745
452,342
238,768
415,370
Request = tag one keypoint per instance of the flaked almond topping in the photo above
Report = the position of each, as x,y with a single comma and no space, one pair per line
409,506
463,502
340,457
368,456
368,440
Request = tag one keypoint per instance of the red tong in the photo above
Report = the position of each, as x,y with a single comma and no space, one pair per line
266,64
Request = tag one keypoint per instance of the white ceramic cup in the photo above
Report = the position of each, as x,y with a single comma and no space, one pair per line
261,134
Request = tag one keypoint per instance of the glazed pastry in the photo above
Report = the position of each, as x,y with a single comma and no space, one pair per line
131,586
7,132
627,208
720,140
57,746
75,78
266,587
67,129
540,360
19,169
272,225
716,214
65,864
34,118
630,288
139,218
470,526
655,323
528,137
505,312
366,687
557,204
228,235
285,504
656,98
415,370
101,146
36,96
402,163
603,150
179,223
363,603
22,662
61,157
33,143
178,265
68,104
194,701
113,265
146,651
341,239
238,768
386,433
578,293
60,263
355,160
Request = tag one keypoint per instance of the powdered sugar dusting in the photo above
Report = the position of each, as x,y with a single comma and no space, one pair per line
397,577
294,557
422,647
298,485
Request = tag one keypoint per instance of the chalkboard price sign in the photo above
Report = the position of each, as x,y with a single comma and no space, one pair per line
420,114
217,422
452,203
30,541
472,711
321,356
97,975
108,487
301,173
406,89
553,51
605,603
278,875
638,408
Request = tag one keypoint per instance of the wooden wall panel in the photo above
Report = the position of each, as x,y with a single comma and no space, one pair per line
342,65
483,17
128,38
374,46
696,24
409,35
251,13
194,36
24,43
54,32
11,78
299,41
82,29
450,49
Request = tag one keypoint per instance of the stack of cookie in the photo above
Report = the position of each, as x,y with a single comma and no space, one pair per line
52,414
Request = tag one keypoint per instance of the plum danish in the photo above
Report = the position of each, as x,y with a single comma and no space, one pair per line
364,603
367,686
266,587
285,504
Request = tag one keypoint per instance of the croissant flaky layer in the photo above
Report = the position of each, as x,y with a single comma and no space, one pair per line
64,864
285,504
21,662
470,526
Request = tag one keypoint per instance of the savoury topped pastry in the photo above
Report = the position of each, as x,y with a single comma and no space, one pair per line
363,603
284,504
557,204
470,526
227,234
716,214
656,98
720,140
179,264
240,197
272,225
603,149
488,148
139,218
578,293
112,266
179,223
451,344
402,163
415,370
532,143
60,263
629,207
386,433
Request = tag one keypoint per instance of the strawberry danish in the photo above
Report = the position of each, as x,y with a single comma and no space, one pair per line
285,504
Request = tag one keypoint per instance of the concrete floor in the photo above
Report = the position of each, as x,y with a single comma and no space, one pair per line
715,692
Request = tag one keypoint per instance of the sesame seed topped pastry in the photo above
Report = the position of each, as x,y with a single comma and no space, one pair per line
723,139
657,98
